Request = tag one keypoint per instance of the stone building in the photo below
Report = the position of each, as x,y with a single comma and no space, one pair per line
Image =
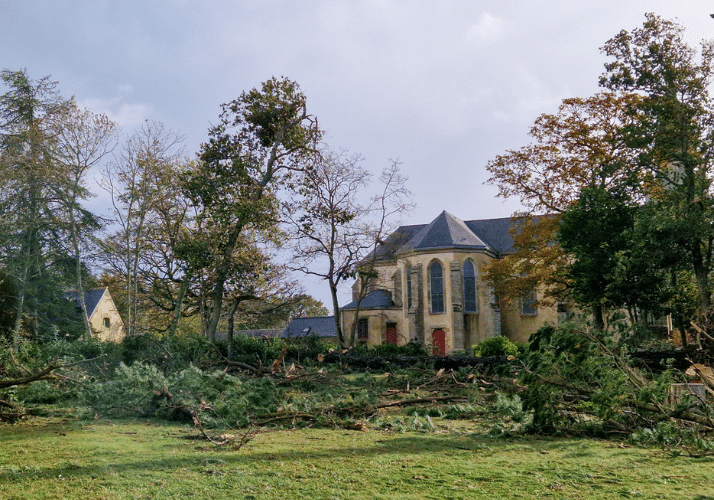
429,288
104,317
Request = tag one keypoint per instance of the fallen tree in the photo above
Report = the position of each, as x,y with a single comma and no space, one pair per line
12,411
573,382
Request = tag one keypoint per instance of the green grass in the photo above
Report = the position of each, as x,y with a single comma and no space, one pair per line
67,458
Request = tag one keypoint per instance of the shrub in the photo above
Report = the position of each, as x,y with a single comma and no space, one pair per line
411,349
495,346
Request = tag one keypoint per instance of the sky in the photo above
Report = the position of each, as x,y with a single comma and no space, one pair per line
443,86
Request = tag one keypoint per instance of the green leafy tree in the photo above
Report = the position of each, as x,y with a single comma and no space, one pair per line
613,265
673,138
263,136
31,229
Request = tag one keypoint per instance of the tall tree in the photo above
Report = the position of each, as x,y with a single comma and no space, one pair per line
335,229
29,233
138,180
262,136
82,140
674,137
579,147
647,138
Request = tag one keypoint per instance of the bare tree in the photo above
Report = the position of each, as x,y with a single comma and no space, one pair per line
336,227
138,180
82,140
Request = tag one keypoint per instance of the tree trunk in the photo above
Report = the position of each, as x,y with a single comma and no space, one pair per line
173,326
598,316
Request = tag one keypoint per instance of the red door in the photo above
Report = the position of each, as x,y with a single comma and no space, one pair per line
438,340
392,333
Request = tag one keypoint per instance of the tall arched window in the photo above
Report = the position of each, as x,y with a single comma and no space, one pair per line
409,288
436,276
469,274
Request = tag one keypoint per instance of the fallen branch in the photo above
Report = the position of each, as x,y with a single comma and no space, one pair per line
43,374
245,366
360,410
224,438
632,401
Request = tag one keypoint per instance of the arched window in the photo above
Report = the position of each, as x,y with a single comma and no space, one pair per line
469,274
409,288
436,276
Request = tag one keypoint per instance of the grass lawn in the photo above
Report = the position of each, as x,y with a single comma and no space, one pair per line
66,458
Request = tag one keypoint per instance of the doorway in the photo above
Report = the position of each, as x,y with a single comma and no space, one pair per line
392,333
438,340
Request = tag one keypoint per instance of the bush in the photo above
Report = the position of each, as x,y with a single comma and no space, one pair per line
495,346
171,354
411,349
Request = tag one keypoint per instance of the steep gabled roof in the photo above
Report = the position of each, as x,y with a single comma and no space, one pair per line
91,298
322,326
376,299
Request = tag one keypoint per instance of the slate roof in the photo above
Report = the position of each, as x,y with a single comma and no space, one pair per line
377,299
258,333
322,326
91,298
448,232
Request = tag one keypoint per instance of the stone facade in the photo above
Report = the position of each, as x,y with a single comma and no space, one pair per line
425,289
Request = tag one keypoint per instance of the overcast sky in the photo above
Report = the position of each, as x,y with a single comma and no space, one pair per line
444,86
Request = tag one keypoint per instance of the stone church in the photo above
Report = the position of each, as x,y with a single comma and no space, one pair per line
430,289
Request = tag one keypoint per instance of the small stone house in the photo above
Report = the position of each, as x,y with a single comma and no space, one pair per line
429,288
104,317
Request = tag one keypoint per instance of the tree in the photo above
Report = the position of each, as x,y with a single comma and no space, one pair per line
673,139
30,229
334,232
140,179
648,138
605,270
262,136
82,140
578,147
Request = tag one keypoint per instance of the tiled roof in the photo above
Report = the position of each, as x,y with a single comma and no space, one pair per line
323,326
377,299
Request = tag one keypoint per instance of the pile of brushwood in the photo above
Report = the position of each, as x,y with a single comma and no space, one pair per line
570,380
575,381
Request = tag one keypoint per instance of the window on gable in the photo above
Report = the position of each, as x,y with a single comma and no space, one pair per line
528,304
107,323
436,275
469,274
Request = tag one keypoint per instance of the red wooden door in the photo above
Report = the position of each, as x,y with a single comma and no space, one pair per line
438,340
392,333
